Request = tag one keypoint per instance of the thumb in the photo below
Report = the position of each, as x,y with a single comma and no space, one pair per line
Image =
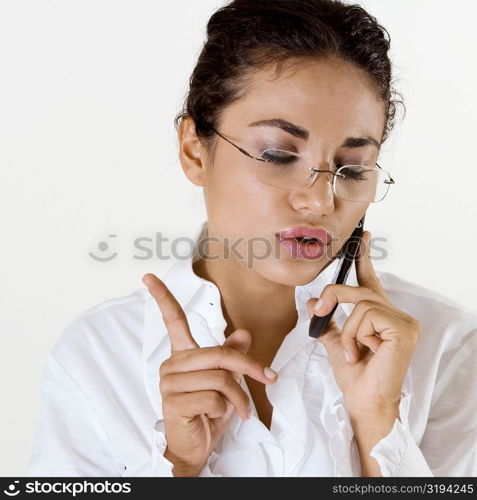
310,305
240,340
331,341
330,338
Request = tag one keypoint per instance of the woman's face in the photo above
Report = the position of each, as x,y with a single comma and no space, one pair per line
333,101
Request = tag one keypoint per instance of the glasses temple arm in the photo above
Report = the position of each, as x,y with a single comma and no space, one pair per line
235,145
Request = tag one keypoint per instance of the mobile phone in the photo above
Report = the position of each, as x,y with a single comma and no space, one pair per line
347,256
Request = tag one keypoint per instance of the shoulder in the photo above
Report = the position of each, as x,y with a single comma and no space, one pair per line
108,328
442,367
446,323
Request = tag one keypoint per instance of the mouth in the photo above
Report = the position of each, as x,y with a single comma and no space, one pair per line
305,234
304,242
303,239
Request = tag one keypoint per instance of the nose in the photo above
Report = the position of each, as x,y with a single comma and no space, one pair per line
318,198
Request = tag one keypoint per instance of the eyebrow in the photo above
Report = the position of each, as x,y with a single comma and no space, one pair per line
302,133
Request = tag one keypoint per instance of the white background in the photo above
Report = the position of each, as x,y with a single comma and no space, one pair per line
88,93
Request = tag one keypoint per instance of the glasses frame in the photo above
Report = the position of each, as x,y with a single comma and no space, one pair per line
313,169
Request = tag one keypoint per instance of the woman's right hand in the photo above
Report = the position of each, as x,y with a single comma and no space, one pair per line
200,387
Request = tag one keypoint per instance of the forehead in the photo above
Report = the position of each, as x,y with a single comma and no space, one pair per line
325,96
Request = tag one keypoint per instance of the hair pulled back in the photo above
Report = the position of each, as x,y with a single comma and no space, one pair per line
247,35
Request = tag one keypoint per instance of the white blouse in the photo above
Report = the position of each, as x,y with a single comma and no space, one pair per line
101,411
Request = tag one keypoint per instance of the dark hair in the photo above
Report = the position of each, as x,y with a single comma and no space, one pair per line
247,35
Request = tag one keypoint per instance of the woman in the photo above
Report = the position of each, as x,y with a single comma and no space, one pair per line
211,370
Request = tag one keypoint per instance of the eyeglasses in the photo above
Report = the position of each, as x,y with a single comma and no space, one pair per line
286,169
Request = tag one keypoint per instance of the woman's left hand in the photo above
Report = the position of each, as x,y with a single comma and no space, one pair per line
371,382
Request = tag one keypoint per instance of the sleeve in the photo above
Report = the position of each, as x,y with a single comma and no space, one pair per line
450,438
397,454
69,439
449,444
207,471
164,467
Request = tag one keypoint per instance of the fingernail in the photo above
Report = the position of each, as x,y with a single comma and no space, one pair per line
318,305
346,355
249,413
269,373
373,349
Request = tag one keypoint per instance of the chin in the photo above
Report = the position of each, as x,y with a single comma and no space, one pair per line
296,272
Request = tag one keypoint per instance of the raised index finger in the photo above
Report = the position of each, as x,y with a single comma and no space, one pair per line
172,313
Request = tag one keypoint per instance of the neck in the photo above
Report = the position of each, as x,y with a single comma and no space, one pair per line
265,308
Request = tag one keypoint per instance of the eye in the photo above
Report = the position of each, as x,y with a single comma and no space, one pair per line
356,173
278,156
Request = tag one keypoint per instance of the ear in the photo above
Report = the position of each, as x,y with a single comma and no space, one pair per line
192,153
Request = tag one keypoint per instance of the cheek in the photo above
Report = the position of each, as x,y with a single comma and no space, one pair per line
234,195
348,217
240,209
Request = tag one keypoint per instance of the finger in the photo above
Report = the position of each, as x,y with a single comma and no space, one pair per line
310,305
398,332
331,337
396,344
349,334
241,340
189,405
378,327
331,342
365,272
172,314
218,357
213,380
347,294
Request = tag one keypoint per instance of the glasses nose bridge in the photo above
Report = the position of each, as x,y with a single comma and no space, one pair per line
316,171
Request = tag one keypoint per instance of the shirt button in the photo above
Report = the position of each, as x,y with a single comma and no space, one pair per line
158,426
